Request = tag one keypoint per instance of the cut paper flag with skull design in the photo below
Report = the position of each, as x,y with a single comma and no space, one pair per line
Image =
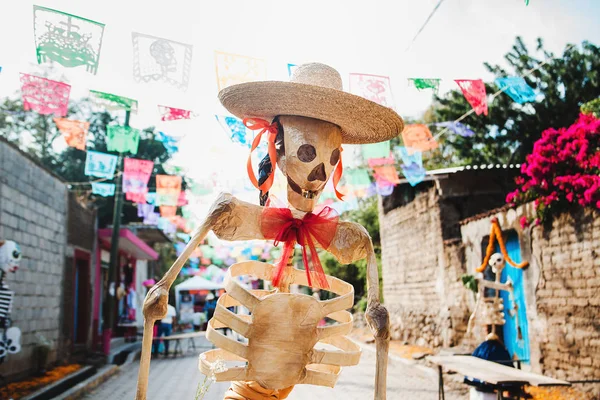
457,128
73,131
67,39
122,139
233,69
157,59
100,165
136,174
424,83
173,114
372,87
517,89
45,96
113,102
103,189
168,188
474,92
169,142
418,137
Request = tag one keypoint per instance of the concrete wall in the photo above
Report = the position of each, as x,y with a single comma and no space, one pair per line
33,208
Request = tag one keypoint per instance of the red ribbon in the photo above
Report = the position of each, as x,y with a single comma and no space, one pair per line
280,225
337,175
264,126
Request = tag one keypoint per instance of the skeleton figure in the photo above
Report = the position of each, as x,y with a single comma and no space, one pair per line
10,258
491,308
311,118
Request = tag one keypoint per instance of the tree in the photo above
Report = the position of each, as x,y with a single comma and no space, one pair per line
507,134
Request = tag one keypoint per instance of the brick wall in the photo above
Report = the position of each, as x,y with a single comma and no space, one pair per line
568,295
562,288
411,255
33,207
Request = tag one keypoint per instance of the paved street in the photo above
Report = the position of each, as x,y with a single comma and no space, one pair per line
178,379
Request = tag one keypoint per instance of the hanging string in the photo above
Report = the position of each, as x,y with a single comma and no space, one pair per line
527,73
95,181
424,24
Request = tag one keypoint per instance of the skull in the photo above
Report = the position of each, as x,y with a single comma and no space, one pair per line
312,150
496,262
10,256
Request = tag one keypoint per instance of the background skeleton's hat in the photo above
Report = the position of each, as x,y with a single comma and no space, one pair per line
315,91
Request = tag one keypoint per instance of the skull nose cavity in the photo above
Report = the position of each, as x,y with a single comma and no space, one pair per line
318,173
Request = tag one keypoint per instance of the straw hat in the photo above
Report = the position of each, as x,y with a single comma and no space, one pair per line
315,91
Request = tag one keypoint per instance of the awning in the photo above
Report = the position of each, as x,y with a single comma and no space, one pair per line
129,243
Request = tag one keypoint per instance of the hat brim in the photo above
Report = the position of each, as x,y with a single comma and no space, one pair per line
362,121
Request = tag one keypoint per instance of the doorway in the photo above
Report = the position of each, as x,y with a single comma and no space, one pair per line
81,312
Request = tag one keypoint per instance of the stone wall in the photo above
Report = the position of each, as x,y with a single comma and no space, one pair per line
33,208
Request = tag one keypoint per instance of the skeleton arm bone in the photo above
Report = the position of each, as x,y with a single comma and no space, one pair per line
477,306
230,219
352,242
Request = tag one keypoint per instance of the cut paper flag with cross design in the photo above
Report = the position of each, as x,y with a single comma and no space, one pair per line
418,137
45,96
169,142
517,89
67,39
136,174
113,102
456,127
372,87
73,131
122,139
233,69
474,92
100,165
425,83
103,189
173,114
157,59
168,188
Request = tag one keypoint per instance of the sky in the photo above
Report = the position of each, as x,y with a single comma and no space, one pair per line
350,35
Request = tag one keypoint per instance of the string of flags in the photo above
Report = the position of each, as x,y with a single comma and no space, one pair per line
76,42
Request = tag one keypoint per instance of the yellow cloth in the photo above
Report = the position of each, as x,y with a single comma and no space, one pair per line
250,390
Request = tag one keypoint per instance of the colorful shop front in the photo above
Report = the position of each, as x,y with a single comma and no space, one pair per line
132,268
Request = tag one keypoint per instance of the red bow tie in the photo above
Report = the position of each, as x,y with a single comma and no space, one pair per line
280,225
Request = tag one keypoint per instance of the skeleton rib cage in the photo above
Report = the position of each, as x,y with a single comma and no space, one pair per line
282,332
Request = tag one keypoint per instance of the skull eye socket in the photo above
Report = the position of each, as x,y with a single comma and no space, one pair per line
307,153
335,157
16,254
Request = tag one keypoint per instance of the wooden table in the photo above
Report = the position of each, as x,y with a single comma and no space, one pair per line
498,375
182,336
